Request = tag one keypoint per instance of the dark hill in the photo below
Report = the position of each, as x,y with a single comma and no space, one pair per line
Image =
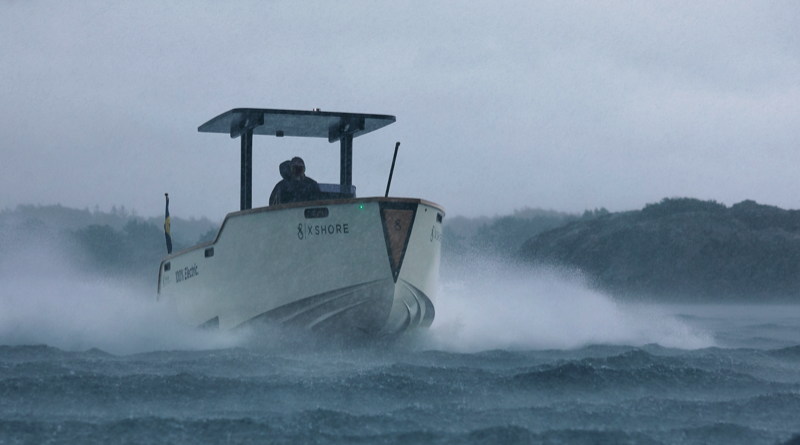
683,249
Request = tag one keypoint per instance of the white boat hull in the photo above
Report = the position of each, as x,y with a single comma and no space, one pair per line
357,266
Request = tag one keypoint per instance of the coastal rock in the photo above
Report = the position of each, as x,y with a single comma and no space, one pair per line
682,249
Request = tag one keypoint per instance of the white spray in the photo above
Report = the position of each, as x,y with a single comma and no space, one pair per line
46,299
488,304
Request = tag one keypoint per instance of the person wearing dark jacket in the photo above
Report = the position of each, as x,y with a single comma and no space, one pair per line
286,173
299,187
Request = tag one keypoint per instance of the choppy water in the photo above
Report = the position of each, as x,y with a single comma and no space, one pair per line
512,358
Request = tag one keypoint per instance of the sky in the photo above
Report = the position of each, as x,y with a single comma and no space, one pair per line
500,105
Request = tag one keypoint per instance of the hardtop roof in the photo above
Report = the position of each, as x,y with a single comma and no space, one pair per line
299,123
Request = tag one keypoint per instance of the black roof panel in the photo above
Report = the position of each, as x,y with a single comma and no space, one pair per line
314,124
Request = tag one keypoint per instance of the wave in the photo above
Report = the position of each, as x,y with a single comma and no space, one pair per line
325,427
791,352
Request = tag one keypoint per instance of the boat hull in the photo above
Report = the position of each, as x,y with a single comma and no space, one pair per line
359,266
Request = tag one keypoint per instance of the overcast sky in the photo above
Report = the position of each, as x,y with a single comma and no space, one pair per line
500,105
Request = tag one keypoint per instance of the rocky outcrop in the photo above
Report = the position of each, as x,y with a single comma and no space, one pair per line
682,249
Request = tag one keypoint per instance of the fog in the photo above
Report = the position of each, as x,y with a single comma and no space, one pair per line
559,105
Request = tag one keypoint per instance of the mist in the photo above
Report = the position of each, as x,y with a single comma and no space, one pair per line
48,298
489,303
562,105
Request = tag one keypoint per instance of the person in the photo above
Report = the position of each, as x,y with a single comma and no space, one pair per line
286,172
299,187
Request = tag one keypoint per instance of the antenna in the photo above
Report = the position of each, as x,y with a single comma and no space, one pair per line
391,171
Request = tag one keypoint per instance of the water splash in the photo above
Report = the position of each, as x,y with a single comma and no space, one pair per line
45,299
488,304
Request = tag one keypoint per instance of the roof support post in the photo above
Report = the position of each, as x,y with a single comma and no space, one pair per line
346,164
246,189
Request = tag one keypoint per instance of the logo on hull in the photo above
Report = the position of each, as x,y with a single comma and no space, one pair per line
308,230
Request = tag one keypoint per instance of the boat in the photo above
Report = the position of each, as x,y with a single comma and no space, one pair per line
339,265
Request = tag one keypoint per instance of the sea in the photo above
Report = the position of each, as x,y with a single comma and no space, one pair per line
514,356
